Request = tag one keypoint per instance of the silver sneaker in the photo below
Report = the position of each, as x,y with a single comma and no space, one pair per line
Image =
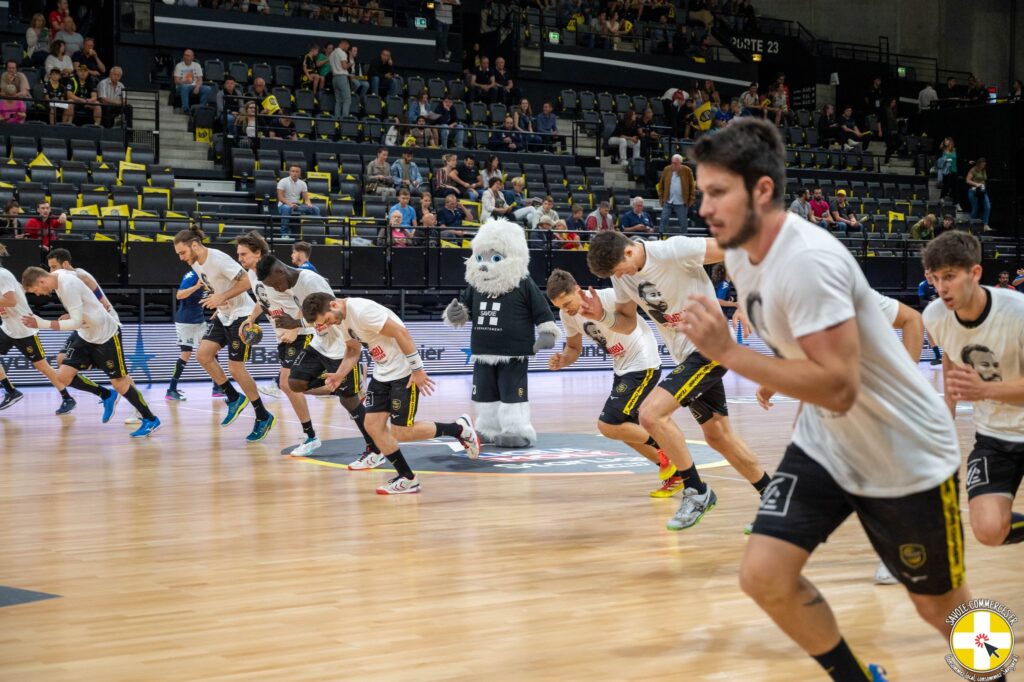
884,577
692,509
368,460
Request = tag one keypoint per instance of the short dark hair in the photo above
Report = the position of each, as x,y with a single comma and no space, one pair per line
751,148
802,191
295,165
560,283
265,265
496,180
952,249
303,247
255,242
60,255
949,217
189,235
31,275
315,305
607,250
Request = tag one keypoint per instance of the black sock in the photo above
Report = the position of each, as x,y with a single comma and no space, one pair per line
759,486
937,352
261,411
653,443
6,383
841,664
1016,533
229,391
401,466
64,394
307,427
80,383
133,396
691,479
179,367
359,417
451,429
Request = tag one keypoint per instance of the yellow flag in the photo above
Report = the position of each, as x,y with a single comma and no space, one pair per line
40,160
704,116
893,215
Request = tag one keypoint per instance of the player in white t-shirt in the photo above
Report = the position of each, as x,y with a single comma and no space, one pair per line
658,277
228,289
872,438
398,379
635,362
97,346
981,330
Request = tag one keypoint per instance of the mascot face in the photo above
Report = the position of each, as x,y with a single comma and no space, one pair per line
500,258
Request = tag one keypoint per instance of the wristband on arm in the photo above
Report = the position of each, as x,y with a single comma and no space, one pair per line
415,361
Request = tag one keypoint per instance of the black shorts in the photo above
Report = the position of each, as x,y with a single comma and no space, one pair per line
238,350
107,356
311,366
628,391
288,353
697,384
394,397
994,467
29,346
69,342
918,537
504,382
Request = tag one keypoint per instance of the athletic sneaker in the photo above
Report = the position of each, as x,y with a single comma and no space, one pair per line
66,406
11,398
400,485
272,390
749,529
307,446
693,508
147,428
670,487
174,395
260,429
878,673
235,408
666,469
883,576
468,437
109,404
368,460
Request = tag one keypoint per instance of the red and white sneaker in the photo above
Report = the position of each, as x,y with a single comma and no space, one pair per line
469,438
400,485
368,460
666,469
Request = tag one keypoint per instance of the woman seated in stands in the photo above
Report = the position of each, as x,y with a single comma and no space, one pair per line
311,77
522,119
37,40
565,239
59,59
55,90
491,169
424,136
425,206
522,208
12,109
248,123
443,185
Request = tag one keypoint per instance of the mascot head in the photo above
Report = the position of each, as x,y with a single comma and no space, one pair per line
500,258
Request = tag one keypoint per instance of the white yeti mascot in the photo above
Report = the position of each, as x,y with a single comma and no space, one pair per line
504,305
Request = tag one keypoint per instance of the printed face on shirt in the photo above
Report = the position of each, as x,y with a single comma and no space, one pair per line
983,361
591,330
654,299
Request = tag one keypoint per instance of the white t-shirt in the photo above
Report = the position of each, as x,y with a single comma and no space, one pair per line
633,352
363,321
218,275
112,311
188,74
673,272
898,438
288,302
995,349
95,324
890,307
292,190
10,318
336,59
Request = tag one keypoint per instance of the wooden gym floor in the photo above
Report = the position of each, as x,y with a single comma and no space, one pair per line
192,556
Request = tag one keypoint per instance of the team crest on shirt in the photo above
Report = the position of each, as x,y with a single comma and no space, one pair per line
913,556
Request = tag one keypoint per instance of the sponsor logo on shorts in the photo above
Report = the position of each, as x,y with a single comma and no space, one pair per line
913,556
620,388
977,472
775,498
981,640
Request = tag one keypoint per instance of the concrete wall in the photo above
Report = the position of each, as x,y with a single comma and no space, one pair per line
964,36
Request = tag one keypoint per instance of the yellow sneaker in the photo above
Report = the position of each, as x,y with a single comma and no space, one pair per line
670,487
666,469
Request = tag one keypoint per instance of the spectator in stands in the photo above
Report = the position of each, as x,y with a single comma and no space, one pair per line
547,129
293,198
378,179
250,124
467,177
73,40
545,212
679,43
977,93
452,216
842,212
626,134
950,92
821,210
599,37
540,234
945,168
405,173
777,108
924,229
283,127
301,253
1014,94
977,191
506,138
12,110
636,220
44,225
577,223
701,52
339,80
492,169
15,78
400,236
311,77
407,212
87,55
493,203
601,219
801,204
849,134
55,91
383,79
228,102
60,60
425,207
482,87
661,35
891,128
9,227
357,80
649,135
565,238
57,16
676,191
523,120
948,223
926,97
522,208
188,79
504,84
442,183
421,107
111,94
323,66
82,91
443,19
1004,281
424,136
447,121
751,102
874,100
37,40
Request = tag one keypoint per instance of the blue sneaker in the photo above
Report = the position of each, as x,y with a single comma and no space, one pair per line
260,429
878,673
148,427
109,403
235,408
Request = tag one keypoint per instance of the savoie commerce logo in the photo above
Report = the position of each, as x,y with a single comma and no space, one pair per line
981,640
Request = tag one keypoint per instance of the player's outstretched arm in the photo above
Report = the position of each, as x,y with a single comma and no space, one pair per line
622,320
569,355
713,253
